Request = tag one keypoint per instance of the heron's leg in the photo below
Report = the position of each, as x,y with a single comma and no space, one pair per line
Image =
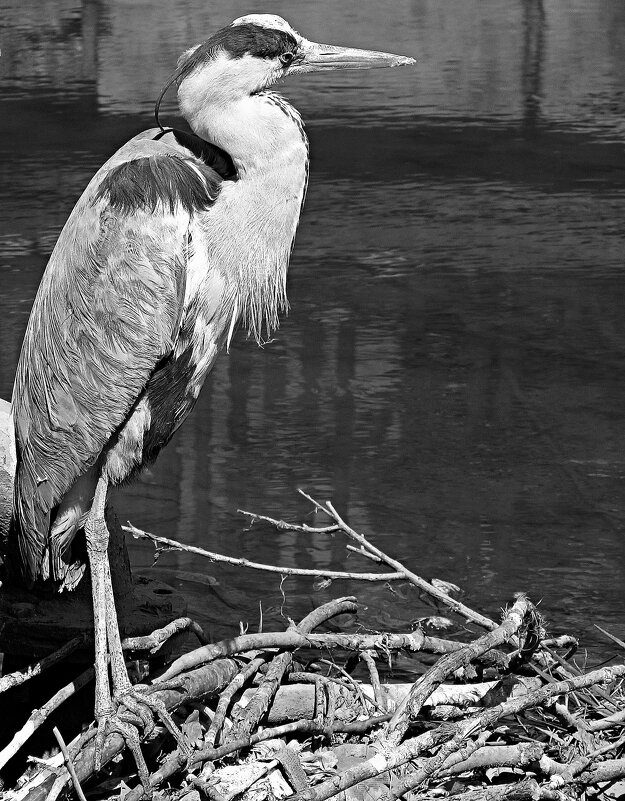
107,713
97,537
132,697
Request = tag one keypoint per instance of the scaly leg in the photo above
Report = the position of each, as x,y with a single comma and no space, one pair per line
123,692
108,645
97,537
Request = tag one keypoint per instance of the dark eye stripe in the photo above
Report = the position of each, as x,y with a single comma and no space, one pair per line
241,40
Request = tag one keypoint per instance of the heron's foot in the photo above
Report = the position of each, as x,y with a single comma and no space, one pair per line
109,722
137,700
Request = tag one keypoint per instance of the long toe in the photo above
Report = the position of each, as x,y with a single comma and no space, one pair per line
135,704
131,738
109,723
146,707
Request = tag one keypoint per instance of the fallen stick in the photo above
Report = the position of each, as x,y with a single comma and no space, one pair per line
20,676
174,545
606,771
567,772
422,688
434,765
395,756
292,702
370,768
292,768
225,699
268,687
434,588
246,776
152,642
578,725
69,764
494,756
292,639
298,700
307,727
615,719
247,717
341,525
456,743
374,676
456,748
524,790
512,706
205,682
39,716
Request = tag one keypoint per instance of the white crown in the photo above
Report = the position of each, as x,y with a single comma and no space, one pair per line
266,21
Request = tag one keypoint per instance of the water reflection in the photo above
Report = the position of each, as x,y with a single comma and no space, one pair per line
533,56
450,373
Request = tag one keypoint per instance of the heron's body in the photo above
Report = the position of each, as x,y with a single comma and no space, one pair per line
159,259
176,238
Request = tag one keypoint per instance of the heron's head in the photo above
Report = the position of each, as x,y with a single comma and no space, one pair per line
257,50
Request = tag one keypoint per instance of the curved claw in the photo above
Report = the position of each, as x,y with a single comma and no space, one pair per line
140,709
110,722
136,700
131,737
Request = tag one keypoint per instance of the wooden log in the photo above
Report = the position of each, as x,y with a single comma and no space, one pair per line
37,621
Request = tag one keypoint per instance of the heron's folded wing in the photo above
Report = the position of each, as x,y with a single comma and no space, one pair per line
107,312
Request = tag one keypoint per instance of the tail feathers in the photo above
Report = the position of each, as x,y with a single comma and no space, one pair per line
25,548
62,565
45,540
66,564
55,558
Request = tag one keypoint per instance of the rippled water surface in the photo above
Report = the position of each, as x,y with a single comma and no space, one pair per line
451,373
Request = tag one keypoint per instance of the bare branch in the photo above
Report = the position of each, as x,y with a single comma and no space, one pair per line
19,677
241,562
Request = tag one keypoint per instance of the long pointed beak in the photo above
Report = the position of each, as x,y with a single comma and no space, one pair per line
314,57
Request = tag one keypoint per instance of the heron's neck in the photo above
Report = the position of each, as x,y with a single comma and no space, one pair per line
261,132
264,137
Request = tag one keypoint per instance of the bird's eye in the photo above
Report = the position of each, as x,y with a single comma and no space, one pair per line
287,58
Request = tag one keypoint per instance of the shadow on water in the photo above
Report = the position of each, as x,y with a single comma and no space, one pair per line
451,371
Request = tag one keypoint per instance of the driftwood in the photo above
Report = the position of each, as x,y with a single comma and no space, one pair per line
248,708
452,753
18,677
411,737
370,551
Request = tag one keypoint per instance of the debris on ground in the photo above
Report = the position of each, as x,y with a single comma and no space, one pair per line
499,711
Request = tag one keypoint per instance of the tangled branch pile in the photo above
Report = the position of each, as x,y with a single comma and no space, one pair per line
278,715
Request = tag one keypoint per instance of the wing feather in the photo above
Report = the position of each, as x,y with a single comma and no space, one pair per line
108,310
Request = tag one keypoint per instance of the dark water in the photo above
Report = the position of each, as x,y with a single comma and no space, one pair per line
452,372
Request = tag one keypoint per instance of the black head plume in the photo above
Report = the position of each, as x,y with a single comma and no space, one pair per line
157,106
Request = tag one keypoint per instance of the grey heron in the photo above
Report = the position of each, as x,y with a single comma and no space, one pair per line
177,239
